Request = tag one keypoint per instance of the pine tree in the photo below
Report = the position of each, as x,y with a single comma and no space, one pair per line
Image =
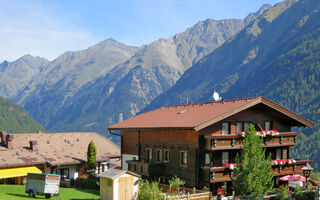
91,157
253,172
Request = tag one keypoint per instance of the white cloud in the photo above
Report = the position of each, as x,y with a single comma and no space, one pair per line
29,27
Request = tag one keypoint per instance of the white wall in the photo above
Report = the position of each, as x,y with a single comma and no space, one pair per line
126,157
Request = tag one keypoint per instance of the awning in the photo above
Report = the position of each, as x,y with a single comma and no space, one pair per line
18,171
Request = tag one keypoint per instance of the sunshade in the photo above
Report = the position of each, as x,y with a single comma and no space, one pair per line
295,177
18,171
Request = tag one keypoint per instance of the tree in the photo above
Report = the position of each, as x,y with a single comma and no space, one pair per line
91,157
253,170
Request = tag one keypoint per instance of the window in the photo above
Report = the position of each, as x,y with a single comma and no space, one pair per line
183,158
64,172
159,155
135,167
246,126
225,128
166,155
149,155
239,126
129,166
225,157
267,125
278,154
208,158
141,168
109,182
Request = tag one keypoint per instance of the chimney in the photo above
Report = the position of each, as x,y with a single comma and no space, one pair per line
9,141
33,145
3,136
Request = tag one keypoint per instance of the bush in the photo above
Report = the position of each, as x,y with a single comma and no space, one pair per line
176,182
307,195
283,195
72,182
86,182
149,190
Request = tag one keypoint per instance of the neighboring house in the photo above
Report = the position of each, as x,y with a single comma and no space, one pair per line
118,184
199,142
58,153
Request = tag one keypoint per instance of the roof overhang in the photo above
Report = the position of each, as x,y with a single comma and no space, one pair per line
259,100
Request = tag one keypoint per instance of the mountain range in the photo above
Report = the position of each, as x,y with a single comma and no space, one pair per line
90,89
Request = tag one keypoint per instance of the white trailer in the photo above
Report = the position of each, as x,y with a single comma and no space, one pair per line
45,184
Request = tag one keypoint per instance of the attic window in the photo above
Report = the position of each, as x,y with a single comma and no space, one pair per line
182,111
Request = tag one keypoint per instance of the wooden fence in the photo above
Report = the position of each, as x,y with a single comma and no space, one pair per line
182,193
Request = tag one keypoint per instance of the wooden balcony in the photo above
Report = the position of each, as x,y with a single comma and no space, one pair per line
223,174
235,141
145,168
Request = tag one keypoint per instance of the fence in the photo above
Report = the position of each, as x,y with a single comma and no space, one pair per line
182,193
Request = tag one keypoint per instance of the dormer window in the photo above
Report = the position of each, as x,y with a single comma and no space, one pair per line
225,130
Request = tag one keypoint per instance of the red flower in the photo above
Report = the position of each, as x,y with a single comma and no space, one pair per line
220,191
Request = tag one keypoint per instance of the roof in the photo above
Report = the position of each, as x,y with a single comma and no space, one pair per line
56,149
199,116
114,173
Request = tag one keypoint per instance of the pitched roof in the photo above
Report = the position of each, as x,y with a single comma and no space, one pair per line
114,173
199,116
56,149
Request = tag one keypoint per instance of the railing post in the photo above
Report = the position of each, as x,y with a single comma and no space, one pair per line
194,190
188,196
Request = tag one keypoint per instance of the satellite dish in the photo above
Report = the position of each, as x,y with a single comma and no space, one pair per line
216,96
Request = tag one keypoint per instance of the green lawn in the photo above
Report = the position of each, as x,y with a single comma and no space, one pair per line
16,192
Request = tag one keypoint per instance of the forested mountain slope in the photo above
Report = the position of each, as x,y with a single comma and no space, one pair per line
13,119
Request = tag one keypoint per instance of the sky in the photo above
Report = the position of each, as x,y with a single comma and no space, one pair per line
48,28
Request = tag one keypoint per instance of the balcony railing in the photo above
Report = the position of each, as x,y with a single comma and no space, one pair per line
211,174
145,168
235,141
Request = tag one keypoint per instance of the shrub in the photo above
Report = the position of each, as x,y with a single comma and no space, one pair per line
307,195
149,190
176,182
283,195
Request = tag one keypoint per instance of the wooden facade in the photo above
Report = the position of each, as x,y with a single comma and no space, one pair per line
198,155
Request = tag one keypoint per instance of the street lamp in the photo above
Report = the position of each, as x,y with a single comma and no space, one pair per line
307,170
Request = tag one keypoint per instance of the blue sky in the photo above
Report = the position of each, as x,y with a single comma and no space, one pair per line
47,28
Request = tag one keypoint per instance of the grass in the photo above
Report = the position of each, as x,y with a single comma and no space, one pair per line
17,192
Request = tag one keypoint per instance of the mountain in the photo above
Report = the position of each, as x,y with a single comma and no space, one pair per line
122,92
45,94
15,75
276,56
14,119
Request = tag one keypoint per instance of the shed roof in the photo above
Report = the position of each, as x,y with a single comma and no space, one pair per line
114,173
201,115
56,149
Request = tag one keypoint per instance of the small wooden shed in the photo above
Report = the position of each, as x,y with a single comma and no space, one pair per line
118,184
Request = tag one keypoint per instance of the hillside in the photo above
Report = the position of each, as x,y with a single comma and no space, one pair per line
277,56
122,92
14,119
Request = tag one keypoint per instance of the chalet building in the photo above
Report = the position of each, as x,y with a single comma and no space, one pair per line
58,153
199,142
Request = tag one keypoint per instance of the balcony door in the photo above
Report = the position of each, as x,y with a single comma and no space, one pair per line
225,157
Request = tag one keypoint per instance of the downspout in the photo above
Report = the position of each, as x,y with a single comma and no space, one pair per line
139,146
121,144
